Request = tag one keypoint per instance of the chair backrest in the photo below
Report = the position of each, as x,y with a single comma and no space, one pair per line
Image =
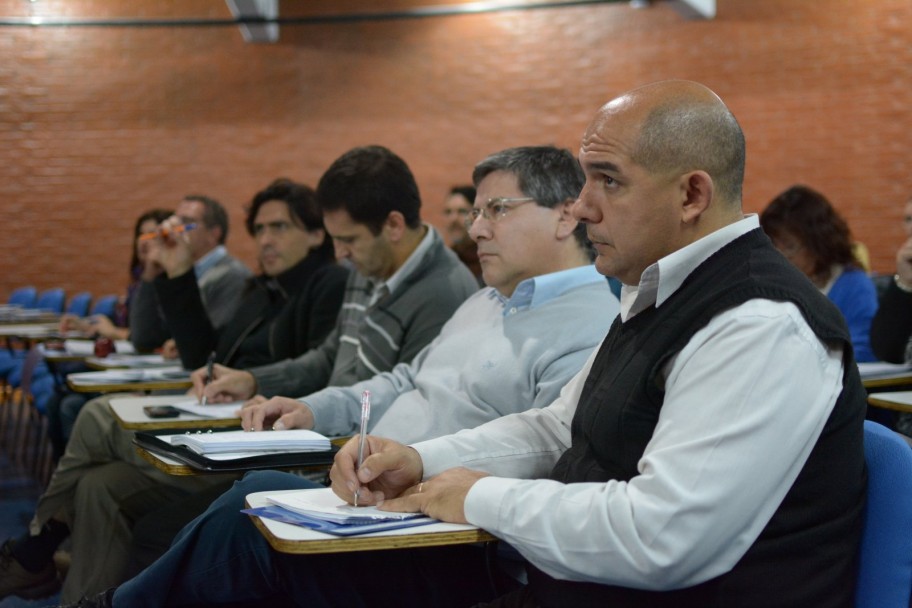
51,300
36,382
105,305
885,565
79,304
24,297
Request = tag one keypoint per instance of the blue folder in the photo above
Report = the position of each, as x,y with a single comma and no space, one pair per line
359,526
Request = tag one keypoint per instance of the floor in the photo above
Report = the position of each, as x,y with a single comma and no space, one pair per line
18,494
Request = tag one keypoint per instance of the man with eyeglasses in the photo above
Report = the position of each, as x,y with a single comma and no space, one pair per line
508,348
220,277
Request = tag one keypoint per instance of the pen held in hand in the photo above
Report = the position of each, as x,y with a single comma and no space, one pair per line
164,232
210,363
365,416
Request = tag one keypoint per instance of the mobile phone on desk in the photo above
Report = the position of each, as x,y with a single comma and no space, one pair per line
161,411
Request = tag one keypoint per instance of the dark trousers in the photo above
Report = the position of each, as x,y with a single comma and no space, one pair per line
154,531
220,558
62,409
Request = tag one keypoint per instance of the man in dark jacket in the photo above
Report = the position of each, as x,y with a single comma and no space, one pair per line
286,310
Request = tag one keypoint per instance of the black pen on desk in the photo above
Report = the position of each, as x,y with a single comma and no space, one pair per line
365,416
210,363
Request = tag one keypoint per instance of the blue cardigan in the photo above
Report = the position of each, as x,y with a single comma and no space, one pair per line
855,295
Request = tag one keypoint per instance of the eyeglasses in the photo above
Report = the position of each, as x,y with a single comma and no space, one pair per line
496,208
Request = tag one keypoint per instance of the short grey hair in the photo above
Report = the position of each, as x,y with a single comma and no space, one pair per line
549,174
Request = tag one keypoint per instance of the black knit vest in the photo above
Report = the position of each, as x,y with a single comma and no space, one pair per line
806,554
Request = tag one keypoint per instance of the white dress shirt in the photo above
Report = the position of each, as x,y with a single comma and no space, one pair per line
746,400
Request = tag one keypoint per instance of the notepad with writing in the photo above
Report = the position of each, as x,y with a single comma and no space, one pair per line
320,509
322,503
297,440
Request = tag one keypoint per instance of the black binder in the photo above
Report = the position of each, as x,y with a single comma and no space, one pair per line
151,441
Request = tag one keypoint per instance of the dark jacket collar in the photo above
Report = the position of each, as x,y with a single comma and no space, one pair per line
295,278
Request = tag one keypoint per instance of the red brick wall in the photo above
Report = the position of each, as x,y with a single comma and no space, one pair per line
98,124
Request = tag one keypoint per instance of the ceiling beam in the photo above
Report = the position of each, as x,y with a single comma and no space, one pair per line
259,20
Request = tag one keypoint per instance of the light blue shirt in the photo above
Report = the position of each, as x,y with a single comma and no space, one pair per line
537,291
205,263
488,361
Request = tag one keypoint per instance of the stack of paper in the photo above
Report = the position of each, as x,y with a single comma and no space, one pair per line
879,369
31,331
118,360
320,509
115,376
76,346
210,410
297,440
79,347
124,347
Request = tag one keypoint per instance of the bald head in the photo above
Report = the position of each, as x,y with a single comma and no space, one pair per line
680,126
664,165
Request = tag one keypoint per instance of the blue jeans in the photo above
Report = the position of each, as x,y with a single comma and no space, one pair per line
221,558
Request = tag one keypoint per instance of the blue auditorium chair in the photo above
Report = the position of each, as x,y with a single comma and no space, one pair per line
79,304
105,305
24,297
885,564
51,300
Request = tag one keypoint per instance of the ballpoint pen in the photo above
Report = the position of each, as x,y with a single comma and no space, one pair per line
210,362
365,416
166,231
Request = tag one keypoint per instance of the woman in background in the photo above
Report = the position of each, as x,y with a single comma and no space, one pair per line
807,230
63,407
117,328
